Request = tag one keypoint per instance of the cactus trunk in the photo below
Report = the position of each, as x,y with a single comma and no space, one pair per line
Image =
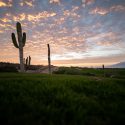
49,60
21,60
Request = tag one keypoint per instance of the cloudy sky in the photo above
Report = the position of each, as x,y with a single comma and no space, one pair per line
80,32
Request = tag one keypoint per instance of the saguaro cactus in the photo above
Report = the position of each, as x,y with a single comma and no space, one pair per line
20,44
49,60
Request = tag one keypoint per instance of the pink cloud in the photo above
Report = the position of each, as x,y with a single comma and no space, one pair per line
87,2
100,11
55,1
117,8
104,11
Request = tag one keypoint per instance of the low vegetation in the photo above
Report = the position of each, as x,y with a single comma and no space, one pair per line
107,72
35,99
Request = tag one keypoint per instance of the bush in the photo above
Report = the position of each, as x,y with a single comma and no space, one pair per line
8,69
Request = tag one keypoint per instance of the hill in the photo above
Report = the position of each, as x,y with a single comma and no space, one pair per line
118,65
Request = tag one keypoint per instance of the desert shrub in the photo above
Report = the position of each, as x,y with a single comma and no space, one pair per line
8,69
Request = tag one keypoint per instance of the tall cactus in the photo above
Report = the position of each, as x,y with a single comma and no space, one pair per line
49,60
20,44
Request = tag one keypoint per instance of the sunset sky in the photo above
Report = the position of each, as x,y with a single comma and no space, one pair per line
80,32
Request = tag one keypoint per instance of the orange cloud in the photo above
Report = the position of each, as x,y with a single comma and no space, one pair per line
6,4
106,43
41,15
1,31
55,1
27,2
87,2
71,13
103,35
27,17
104,11
76,30
4,25
20,17
59,21
2,4
5,20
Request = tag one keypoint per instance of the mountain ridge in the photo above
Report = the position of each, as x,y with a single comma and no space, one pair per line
117,65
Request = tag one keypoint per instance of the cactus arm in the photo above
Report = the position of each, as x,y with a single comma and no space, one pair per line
24,39
14,40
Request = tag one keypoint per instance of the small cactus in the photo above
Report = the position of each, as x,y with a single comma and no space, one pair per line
19,43
28,62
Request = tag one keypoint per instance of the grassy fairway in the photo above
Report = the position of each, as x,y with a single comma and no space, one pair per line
35,99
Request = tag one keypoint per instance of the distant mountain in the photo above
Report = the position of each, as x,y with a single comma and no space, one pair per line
118,65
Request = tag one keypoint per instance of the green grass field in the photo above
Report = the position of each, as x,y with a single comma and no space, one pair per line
108,72
38,99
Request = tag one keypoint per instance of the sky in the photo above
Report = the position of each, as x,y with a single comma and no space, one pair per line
80,32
